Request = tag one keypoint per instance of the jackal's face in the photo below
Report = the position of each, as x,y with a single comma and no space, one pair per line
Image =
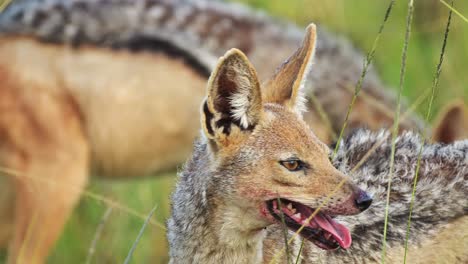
271,164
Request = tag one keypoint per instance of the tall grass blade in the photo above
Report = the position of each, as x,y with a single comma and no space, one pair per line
454,10
95,196
140,234
116,205
300,252
4,4
409,20
435,83
367,62
97,235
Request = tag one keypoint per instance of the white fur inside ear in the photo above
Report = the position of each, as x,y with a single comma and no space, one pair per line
240,101
300,104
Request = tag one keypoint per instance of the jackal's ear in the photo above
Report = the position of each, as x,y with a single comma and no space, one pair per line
286,86
452,123
234,102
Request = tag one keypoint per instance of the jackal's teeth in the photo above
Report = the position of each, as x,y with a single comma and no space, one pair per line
290,206
297,216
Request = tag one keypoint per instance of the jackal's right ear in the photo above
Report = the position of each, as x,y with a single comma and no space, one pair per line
234,102
452,123
286,86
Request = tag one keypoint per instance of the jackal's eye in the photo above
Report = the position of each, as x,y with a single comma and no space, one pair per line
292,164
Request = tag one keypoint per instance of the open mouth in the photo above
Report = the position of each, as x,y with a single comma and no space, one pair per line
322,230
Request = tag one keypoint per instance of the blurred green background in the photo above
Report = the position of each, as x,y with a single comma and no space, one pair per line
359,20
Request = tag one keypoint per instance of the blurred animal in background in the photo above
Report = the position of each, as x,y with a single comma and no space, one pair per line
452,123
258,174
112,87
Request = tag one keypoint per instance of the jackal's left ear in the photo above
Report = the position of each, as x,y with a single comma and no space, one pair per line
234,102
286,86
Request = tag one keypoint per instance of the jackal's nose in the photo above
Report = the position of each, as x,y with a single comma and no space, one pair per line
363,201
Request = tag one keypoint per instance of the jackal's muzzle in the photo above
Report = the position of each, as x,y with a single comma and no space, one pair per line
317,226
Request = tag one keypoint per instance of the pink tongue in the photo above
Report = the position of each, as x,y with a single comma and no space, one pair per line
339,231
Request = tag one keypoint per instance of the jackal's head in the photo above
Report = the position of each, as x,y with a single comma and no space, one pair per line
266,160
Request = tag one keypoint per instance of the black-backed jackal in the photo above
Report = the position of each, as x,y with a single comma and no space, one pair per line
257,166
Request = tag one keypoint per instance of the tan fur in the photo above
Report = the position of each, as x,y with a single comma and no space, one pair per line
283,129
310,189
43,136
135,130
6,210
292,74
52,113
448,246
375,117
319,126
452,123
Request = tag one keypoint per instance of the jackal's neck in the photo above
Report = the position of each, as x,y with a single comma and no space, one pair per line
205,225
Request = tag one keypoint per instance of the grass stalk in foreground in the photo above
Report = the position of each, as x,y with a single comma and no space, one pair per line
454,10
409,20
300,252
435,83
4,4
97,235
140,234
92,195
367,63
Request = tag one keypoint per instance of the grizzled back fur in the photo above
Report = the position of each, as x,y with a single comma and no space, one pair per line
198,31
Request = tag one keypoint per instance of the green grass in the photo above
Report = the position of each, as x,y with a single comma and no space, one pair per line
359,20
120,229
